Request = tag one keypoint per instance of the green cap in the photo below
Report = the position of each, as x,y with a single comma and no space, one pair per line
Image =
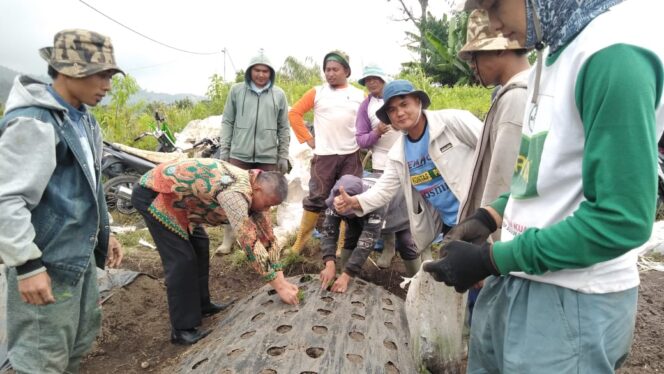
340,57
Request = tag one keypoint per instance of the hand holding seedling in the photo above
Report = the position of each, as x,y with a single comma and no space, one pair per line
287,291
327,274
341,284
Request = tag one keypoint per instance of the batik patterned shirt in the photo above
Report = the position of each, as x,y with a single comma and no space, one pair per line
212,192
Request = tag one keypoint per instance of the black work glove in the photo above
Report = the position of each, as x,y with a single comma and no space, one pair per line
463,265
474,229
282,165
224,155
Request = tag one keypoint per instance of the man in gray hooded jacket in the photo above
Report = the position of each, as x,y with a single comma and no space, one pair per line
255,131
53,219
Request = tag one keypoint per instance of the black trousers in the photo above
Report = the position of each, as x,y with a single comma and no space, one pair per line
186,264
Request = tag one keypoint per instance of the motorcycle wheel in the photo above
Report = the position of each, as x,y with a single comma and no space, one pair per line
110,190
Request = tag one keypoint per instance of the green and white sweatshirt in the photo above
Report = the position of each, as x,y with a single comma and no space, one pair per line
585,183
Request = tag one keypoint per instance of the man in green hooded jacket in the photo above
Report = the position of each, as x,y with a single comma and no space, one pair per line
255,131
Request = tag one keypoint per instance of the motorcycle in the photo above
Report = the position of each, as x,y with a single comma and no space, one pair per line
123,165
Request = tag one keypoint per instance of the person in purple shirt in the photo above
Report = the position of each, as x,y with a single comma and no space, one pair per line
374,135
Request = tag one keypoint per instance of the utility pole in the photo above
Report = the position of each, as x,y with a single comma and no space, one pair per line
224,52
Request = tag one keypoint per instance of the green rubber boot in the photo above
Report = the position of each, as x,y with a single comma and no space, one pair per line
385,259
412,266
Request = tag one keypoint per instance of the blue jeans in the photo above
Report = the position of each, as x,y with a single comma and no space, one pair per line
53,338
523,326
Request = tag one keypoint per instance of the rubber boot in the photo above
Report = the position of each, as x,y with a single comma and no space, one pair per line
306,229
343,259
227,245
425,255
342,238
385,259
412,266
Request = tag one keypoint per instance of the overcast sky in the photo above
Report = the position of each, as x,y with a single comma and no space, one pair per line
365,29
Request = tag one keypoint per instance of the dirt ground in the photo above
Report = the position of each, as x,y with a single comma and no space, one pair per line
135,330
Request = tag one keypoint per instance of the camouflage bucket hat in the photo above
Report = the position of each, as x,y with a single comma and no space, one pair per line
80,53
480,37
340,57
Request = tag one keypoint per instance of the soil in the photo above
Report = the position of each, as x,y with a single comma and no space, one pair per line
135,329
647,355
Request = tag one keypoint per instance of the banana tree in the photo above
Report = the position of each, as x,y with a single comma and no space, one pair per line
447,51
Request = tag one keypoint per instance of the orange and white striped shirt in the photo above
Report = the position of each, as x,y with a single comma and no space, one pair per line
335,110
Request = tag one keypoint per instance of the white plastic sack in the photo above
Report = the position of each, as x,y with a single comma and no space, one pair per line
436,315
289,213
656,241
198,129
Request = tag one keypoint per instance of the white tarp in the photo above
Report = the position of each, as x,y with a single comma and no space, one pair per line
289,213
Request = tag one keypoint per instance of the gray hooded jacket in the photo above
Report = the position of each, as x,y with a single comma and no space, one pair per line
255,127
54,213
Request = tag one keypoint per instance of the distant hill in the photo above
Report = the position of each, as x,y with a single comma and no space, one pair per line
7,79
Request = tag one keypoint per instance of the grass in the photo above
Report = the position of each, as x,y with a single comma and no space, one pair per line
655,256
130,239
120,219
291,259
237,259
216,235
122,121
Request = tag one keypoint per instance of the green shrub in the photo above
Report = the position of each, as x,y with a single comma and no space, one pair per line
121,122
475,99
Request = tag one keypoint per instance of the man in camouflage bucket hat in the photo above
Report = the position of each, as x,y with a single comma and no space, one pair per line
54,230
80,53
496,61
501,62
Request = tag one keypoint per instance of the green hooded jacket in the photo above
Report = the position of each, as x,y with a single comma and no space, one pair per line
255,126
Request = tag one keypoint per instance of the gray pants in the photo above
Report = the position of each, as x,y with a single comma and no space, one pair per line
524,326
53,338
